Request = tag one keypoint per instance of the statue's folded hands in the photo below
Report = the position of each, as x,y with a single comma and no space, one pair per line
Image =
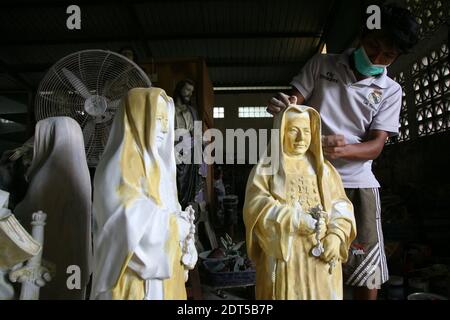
331,244
307,224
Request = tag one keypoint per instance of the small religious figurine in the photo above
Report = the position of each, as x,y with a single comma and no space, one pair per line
144,242
188,178
299,222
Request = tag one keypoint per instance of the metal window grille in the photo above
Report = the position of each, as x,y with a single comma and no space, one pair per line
218,112
431,84
430,14
253,112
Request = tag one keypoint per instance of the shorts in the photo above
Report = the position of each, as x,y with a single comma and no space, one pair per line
366,265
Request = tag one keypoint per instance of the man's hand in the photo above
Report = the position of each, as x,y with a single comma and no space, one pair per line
331,245
336,152
279,102
334,146
334,140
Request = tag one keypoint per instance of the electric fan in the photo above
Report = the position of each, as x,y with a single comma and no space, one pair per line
88,87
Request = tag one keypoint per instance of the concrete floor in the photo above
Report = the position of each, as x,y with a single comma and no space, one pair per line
240,293
210,293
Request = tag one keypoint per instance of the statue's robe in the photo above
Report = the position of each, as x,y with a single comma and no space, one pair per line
285,267
60,186
138,248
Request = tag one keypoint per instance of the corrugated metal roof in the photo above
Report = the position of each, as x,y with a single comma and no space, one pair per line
234,16
243,42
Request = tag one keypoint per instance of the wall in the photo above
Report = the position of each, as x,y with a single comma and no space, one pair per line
414,169
231,103
236,175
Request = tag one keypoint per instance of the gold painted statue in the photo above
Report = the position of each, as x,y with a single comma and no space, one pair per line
299,222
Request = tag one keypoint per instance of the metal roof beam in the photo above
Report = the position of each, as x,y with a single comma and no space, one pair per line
211,63
224,63
20,41
46,4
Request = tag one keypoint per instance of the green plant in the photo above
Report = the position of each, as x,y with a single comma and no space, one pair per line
231,248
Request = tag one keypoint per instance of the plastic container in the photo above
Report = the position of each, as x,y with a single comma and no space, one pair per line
425,296
418,285
228,279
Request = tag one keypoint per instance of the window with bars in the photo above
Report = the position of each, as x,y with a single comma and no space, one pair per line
430,106
253,112
427,102
430,14
218,113
431,84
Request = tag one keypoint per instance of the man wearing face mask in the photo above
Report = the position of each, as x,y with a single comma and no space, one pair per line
359,106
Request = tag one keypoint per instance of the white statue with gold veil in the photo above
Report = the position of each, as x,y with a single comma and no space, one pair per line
144,243
299,222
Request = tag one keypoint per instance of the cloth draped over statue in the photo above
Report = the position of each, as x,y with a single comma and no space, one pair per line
60,186
138,249
285,268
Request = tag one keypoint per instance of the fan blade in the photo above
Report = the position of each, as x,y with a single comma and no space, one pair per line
76,83
114,105
104,136
88,132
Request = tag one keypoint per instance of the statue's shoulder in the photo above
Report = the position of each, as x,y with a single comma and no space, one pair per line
330,170
334,178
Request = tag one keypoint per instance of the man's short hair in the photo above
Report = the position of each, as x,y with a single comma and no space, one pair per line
398,25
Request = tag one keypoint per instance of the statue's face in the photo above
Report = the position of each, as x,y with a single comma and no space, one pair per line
186,92
297,134
162,127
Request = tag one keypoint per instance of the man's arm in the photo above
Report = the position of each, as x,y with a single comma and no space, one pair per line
302,86
280,101
368,150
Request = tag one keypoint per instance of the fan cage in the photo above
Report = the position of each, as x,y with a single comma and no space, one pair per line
106,74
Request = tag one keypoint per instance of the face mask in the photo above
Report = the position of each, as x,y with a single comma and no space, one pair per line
364,65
